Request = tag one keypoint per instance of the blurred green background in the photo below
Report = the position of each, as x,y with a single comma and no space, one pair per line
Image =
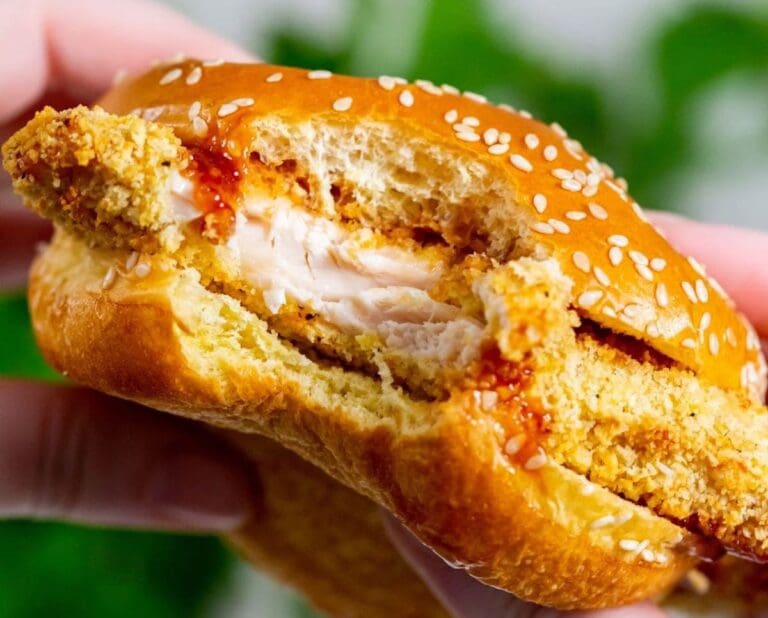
680,109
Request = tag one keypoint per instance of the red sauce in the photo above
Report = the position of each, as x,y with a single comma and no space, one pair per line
217,176
520,416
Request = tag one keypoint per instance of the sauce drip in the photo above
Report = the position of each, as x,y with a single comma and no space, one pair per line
497,387
217,176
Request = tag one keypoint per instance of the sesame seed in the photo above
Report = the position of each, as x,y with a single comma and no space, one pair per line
589,191
662,296
598,212
536,461
489,399
109,278
428,87
131,261
199,126
637,257
524,113
471,121
560,226
558,129
226,110
194,110
491,136
243,102
689,292
498,149
658,264
473,96
636,207
661,558
618,240
581,176
701,291
588,489
653,330
696,265
645,272
451,116
468,136
632,310
214,62
406,98
648,555
195,75
622,184
514,444
170,76
504,137
532,141
593,179
602,522
689,343
629,544
386,82
343,104
714,344
581,261
589,298
540,202
615,256
609,311
574,148
521,163
569,184
705,321
506,107
142,269
601,276
730,337
449,89
319,74
550,153
275,77
575,215
460,127
542,228
562,174
665,469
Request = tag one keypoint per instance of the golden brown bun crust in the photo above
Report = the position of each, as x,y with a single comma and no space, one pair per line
626,276
526,532
325,540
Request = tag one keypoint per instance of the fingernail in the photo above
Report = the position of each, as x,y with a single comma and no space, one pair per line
199,491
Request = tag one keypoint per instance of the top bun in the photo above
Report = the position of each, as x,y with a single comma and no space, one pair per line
626,276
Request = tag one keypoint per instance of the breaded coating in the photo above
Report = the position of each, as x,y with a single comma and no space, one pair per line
100,175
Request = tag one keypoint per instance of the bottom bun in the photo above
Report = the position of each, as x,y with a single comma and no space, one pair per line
543,533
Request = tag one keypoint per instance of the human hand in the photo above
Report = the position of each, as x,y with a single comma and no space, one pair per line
67,453
736,258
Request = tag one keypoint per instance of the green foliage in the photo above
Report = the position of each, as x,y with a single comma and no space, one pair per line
61,570
19,356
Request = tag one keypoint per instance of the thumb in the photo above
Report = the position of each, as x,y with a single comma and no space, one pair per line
68,453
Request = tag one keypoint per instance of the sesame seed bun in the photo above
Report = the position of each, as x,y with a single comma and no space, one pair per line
603,413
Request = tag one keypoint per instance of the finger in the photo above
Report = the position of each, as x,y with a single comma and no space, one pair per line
737,258
68,453
79,45
465,597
